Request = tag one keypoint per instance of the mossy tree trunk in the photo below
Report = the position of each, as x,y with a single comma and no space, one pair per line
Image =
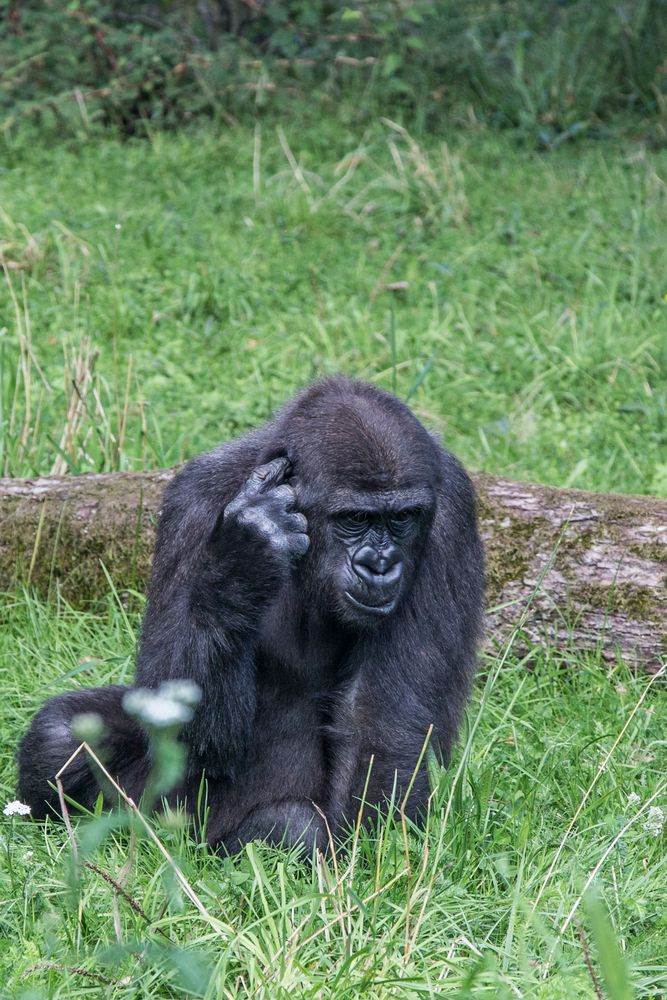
585,570
579,569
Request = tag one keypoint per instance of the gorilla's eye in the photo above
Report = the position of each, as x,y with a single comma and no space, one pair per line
401,520
353,520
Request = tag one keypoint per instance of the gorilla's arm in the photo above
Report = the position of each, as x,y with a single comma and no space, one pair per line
217,565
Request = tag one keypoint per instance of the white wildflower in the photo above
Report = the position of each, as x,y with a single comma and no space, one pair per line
186,692
171,704
16,808
633,800
27,857
655,821
165,712
117,226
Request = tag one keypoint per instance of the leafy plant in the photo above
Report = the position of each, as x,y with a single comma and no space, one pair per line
543,66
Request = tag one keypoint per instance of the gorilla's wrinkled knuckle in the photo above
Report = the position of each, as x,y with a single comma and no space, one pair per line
264,525
243,515
256,481
301,544
269,505
299,522
265,476
285,496
233,508
278,542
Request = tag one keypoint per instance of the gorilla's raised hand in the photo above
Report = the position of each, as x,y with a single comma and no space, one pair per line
263,511
218,592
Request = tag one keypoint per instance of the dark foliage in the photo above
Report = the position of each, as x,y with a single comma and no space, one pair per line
547,66
321,580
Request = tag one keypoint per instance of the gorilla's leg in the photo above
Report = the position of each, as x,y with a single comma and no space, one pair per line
271,797
289,822
50,742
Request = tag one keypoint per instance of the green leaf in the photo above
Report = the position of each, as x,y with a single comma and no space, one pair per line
414,15
415,42
612,963
390,64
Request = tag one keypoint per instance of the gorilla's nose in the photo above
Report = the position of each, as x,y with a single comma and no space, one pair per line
378,567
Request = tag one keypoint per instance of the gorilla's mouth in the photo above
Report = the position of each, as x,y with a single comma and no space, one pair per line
375,609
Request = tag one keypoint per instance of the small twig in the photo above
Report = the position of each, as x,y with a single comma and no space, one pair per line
76,969
406,842
257,163
130,900
216,925
344,60
379,284
587,956
97,34
296,169
64,811
38,538
123,875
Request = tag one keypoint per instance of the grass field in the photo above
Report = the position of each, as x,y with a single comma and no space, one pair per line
204,278
188,284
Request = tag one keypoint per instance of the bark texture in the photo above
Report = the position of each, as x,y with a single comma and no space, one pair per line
582,569
586,570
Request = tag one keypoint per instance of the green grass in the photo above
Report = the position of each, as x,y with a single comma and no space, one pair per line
531,333
470,908
533,327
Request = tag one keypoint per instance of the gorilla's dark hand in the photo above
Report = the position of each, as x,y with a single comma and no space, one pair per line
263,511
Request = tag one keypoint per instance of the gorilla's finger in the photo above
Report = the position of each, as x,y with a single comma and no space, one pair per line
284,495
271,474
299,545
299,523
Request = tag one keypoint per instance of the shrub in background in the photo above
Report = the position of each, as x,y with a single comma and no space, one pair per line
545,66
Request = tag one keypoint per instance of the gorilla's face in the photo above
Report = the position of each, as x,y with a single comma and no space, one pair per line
366,553
374,561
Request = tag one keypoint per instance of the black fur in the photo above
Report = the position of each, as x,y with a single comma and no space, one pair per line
299,687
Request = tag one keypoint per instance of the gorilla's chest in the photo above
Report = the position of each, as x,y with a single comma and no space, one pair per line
301,655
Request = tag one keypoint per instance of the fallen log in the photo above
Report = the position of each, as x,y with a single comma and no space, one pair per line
583,570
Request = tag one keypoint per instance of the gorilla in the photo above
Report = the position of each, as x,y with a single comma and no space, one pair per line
321,580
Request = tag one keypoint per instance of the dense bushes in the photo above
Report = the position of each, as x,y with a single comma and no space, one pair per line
546,66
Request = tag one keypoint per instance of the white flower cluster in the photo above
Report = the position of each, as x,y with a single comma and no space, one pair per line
655,821
655,818
169,705
16,808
